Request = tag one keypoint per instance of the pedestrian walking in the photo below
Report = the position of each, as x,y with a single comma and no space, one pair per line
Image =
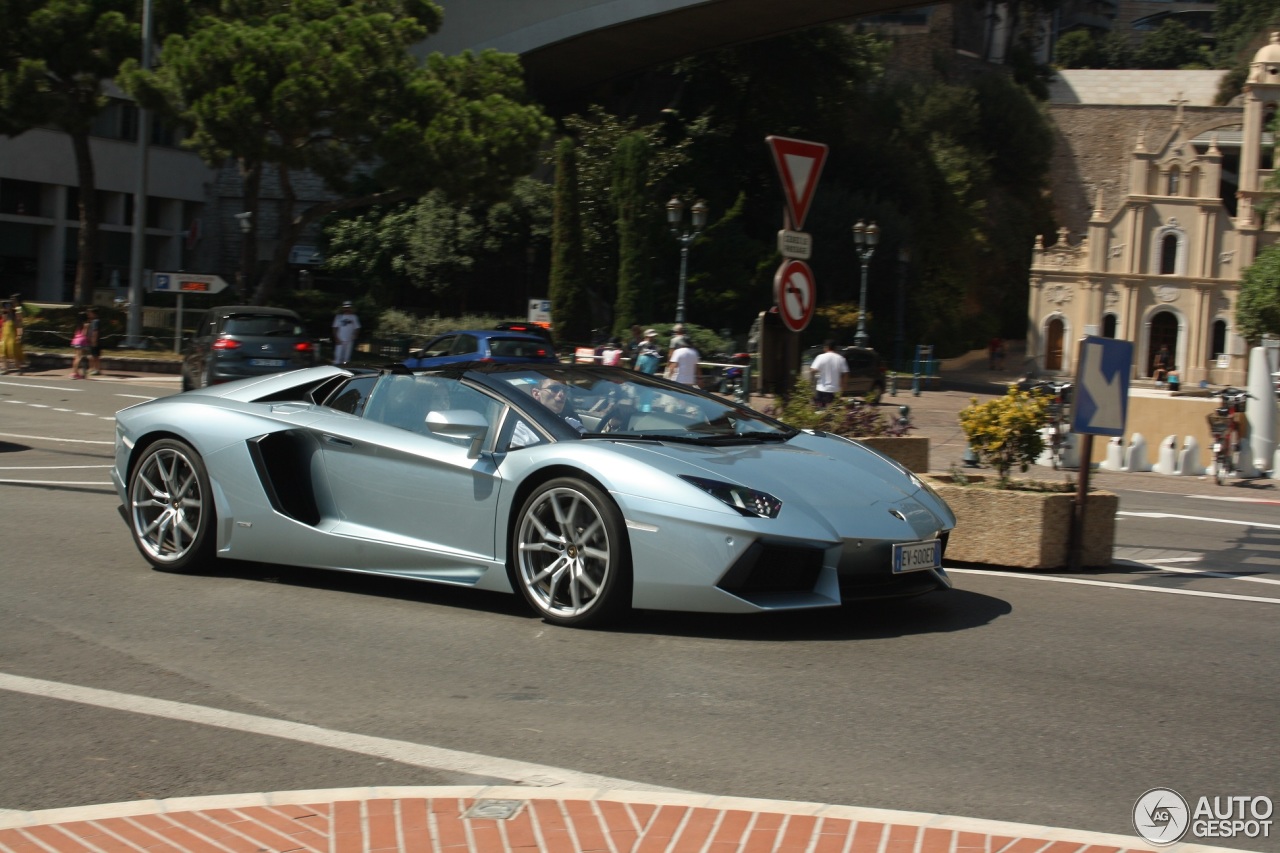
19,316
8,337
682,365
829,370
648,356
94,340
346,328
80,346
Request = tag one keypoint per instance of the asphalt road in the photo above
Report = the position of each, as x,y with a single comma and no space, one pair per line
1014,697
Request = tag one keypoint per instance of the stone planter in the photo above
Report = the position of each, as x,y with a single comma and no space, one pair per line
912,451
1022,529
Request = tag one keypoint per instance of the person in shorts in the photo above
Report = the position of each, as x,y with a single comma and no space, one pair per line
829,370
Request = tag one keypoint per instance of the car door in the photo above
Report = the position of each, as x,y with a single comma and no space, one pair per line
408,500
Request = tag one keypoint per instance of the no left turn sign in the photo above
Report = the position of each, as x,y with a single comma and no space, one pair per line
796,294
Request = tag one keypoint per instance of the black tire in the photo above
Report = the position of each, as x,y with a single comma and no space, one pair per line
170,506
571,559
186,382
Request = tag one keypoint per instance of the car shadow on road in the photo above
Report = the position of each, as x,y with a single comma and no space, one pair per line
938,612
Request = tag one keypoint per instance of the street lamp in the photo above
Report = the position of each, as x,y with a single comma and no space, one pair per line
675,213
865,238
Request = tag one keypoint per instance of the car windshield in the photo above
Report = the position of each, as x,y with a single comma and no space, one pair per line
612,403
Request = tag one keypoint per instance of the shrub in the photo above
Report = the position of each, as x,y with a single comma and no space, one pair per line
1005,431
847,416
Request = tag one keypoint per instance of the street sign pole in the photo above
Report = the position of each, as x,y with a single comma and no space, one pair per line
1101,407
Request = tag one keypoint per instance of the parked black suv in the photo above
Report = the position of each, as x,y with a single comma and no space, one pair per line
235,341
866,371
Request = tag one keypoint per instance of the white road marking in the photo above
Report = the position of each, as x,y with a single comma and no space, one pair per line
51,438
47,387
1210,574
50,467
1114,585
404,752
137,396
1199,518
1232,499
55,483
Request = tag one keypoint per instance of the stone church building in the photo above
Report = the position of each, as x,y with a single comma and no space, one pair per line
1157,192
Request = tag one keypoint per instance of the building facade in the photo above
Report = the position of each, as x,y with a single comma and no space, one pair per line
1173,223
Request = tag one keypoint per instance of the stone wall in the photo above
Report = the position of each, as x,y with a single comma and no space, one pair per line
1093,148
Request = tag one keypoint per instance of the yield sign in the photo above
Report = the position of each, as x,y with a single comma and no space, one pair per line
796,294
799,164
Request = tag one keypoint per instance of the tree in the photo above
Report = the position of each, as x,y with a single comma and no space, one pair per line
1258,308
329,87
570,310
1078,49
431,255
632,200
1172,46
55,58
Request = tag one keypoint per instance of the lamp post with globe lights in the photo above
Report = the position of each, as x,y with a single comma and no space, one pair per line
865,238
675,216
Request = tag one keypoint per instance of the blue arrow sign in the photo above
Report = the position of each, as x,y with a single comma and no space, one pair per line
1102,386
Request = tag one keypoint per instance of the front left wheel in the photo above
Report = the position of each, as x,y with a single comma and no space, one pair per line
171,513
572,560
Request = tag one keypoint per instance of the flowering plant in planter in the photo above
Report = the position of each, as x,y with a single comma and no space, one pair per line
1005,431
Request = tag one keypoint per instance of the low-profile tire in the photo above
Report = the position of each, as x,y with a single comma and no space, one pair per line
186,382
170,505
570,554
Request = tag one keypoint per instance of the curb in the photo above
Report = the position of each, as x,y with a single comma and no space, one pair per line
857,814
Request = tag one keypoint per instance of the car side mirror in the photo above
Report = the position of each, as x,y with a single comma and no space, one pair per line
461,423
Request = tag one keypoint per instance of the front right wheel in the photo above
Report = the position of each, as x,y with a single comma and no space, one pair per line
171,513
571,556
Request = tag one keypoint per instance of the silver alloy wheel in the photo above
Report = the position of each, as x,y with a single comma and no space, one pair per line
167,502
563,555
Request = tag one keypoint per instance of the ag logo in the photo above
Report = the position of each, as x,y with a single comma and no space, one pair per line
1161,816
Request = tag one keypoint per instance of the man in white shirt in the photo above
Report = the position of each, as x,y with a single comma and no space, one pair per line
683,363
346,327
829,370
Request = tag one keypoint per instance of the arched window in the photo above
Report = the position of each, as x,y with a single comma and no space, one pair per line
1169,254
1219,338
1109,326
1175,177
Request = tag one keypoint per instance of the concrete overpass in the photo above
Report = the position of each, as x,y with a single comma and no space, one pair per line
570,45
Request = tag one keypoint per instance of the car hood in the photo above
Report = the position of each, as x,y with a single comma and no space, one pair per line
820,474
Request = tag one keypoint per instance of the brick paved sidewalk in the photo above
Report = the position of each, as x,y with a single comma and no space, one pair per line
499,819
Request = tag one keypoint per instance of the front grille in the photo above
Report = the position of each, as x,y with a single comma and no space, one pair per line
773,568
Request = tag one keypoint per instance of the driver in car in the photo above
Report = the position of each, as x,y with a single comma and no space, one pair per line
555,396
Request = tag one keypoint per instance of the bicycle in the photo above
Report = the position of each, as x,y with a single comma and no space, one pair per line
1059,412
1224,426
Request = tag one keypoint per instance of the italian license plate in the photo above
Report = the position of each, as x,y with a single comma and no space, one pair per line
266,362
917,556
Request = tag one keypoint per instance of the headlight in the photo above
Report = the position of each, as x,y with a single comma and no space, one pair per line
749,502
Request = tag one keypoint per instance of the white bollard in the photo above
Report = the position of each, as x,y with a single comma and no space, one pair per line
1135,458
1166,462
1189,464
1115,455
1260,412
